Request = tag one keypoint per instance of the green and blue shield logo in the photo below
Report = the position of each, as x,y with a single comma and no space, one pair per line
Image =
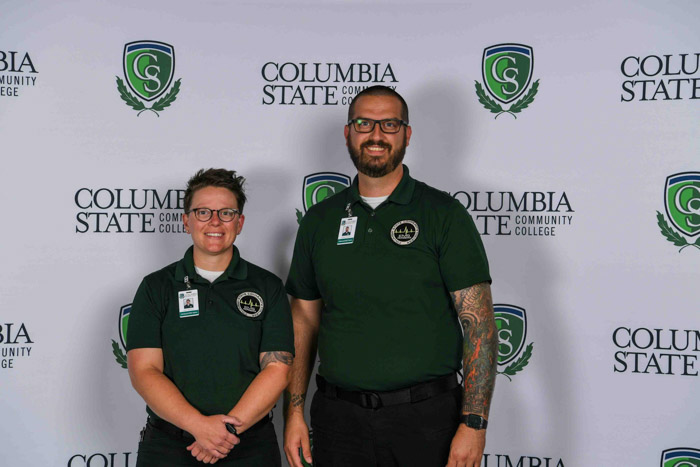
149,67
507,70
680,457
120,355
682,203
511,323
682,199
124,322
319,186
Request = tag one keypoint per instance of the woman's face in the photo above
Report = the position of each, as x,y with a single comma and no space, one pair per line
213,237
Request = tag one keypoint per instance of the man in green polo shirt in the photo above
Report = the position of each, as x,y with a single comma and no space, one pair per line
383,304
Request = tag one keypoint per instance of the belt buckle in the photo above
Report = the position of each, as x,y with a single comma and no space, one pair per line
371,400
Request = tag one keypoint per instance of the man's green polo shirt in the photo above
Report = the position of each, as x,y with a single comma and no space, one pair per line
213,356
388,320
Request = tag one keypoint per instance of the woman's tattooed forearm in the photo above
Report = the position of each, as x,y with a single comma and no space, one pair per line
282,357
475,310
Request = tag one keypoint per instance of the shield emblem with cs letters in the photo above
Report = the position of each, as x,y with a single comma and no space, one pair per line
149,67
507,70
511,323
682,201
322,185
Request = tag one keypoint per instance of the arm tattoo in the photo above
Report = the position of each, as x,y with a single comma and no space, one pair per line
282,357
294,400
475,310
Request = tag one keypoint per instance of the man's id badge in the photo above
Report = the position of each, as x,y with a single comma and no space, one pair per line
188,303
346,233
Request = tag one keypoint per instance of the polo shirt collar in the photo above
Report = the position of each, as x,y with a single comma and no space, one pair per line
402,194
236,269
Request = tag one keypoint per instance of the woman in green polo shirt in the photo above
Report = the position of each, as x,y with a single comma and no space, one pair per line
210,341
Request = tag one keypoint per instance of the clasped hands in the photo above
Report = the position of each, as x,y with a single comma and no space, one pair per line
212,440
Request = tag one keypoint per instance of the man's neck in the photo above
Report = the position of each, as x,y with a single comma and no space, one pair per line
372,187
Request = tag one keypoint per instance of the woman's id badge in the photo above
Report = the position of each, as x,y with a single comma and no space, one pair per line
188,303
346,233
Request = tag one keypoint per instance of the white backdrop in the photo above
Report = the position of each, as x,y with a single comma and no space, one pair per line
587,137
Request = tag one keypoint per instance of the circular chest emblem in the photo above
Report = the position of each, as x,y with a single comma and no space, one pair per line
404,232
250,304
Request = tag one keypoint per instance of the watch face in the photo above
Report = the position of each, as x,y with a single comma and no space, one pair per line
475,421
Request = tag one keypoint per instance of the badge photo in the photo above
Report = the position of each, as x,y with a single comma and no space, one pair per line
188,303
404,232
250,304
346,232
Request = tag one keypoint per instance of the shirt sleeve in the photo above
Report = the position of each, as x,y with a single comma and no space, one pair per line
301,281
462,257
277,328
145,319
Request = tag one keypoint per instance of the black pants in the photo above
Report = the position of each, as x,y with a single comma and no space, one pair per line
258,448
404,435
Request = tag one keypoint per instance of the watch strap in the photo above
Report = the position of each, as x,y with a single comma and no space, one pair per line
474,421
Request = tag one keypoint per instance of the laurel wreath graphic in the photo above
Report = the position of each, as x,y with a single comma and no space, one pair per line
158,106
673,236
118,354
519,364
495,107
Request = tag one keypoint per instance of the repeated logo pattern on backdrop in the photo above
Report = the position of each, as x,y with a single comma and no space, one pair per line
291,83
14,344
507,70
506,460
319,186
530,213
123,325
16,71
682,203
680,457
149,67
129,210
656,351
511,322
661,77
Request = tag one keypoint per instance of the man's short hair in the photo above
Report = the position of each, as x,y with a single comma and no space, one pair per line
218,178
380,90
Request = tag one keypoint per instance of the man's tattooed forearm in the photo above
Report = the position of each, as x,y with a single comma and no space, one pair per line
475,310
294,400
281,357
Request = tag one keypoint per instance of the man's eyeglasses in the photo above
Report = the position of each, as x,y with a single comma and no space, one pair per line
366,125
225,215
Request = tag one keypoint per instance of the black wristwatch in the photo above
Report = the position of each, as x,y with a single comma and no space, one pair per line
231,429
474,421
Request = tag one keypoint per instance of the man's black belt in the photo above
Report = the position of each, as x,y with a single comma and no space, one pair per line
377,399
169,428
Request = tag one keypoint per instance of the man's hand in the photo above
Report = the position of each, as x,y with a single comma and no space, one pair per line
467,447
296,435
212,439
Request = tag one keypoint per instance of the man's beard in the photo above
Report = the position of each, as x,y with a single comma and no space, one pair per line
371,166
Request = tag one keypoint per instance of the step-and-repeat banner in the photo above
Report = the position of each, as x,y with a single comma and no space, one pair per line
569,132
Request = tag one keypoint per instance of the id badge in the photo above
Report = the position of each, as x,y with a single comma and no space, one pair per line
188,303
346,233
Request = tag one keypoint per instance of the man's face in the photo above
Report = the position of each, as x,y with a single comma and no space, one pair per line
376,154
